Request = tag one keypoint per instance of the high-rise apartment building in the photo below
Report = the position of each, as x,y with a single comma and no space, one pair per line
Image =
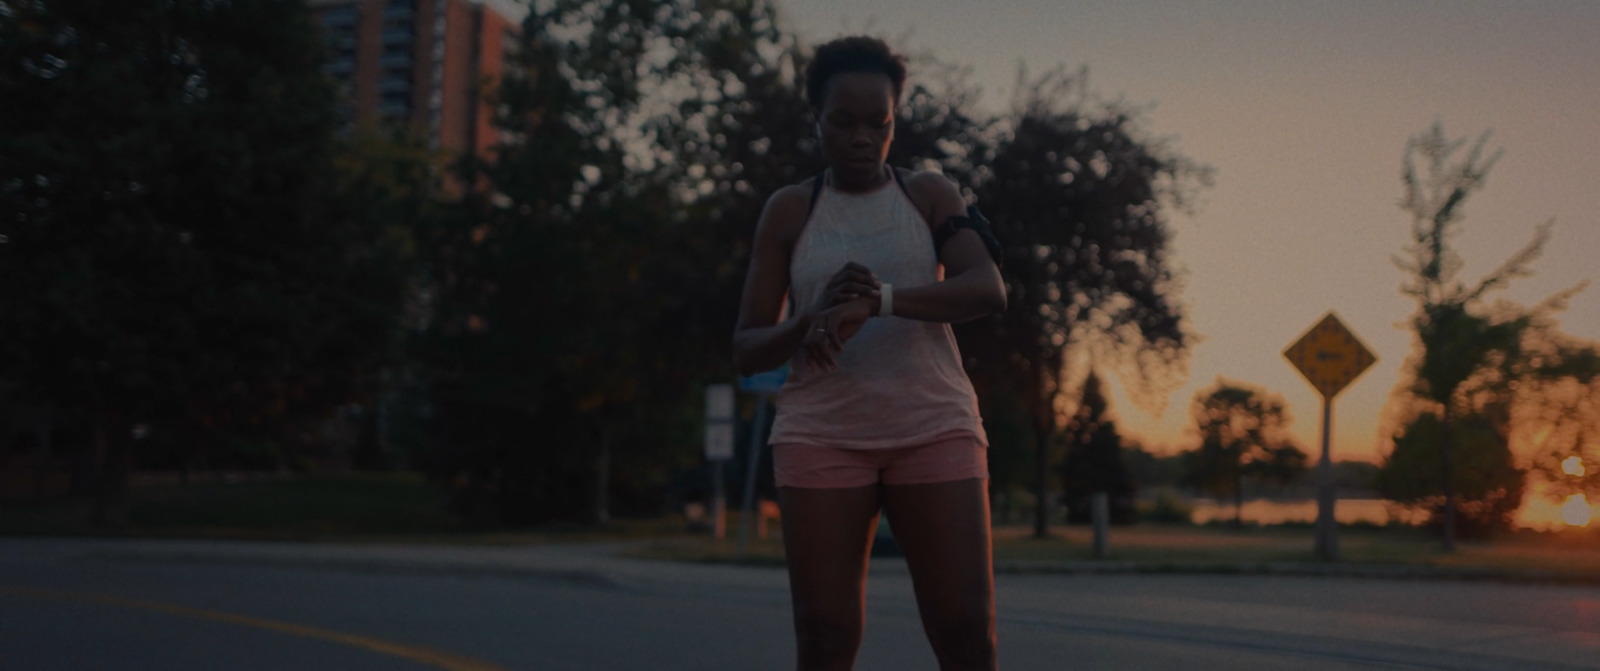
421,61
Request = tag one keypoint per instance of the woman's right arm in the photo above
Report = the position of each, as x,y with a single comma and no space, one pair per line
760,341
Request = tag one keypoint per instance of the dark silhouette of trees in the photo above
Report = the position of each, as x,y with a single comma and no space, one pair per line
1080,197
1488,486
1243,436
1471,354
182,252
592,289
1093,461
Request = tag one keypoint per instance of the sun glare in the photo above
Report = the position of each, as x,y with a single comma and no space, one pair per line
1572,466
1576,512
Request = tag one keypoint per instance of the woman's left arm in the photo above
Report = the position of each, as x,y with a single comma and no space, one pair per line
972,285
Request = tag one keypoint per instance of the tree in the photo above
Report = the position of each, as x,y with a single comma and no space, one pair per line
1094,460
1080,199
1470,354
1243,436
593,285
1487,482
171,257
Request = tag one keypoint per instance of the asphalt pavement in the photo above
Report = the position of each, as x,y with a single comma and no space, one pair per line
178,605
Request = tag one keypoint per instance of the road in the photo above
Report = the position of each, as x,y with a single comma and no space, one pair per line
184,605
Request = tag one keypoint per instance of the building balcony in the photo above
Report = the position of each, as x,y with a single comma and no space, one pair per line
341,17
340,67
394,110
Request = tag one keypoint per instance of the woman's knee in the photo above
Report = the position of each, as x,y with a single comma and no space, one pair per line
966,640
826,640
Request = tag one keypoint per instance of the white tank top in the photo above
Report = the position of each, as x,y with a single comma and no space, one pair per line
899,381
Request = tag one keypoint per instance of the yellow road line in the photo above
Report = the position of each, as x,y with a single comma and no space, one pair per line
443,660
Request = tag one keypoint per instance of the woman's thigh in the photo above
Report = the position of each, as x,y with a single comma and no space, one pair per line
943,529
827,536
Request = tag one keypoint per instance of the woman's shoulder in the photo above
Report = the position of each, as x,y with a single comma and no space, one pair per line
786,209
932,192
791,200
929,182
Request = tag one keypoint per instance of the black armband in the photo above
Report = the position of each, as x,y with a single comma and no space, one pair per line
975,221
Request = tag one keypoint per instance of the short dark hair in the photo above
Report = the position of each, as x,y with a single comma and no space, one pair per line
853,54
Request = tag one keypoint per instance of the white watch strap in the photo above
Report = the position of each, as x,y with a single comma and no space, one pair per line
885,300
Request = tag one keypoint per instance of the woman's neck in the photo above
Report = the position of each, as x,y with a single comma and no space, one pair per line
881,177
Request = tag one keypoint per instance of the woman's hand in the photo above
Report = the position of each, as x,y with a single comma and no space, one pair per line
831,328
853,281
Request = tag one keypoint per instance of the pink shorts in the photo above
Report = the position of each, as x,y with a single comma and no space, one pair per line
957,455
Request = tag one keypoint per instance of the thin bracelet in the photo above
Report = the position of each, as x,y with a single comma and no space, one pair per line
886,300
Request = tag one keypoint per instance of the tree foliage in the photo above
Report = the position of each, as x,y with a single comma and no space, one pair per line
1243,436
592,289
175,256
1474,357
1080,197
1487,479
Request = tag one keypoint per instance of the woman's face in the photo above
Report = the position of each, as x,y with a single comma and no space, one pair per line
857,126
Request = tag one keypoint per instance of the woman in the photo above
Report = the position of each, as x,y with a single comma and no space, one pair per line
877,411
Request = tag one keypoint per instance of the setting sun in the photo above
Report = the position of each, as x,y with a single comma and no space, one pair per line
1576,512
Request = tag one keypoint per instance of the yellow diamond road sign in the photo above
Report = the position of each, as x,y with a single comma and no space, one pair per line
1330,356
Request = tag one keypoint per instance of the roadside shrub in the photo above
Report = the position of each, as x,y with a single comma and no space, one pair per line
1167,508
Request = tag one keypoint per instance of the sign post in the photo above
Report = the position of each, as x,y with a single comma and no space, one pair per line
719,448
1330,357
763,385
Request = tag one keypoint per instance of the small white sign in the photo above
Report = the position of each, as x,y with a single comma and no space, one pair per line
719,402
719,441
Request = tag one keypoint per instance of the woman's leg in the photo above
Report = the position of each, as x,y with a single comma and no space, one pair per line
943,529
827,535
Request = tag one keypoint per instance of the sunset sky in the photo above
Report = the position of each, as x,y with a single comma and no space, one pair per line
1304,109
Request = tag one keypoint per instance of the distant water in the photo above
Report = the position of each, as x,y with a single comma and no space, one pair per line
1265,511
1536,512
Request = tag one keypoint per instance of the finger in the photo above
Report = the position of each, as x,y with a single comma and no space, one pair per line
864,288
847,296
854,271
821,357
849,285
855,289
817,339
835,343
826,332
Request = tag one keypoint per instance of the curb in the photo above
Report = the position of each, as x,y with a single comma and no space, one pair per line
578,577
585,572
